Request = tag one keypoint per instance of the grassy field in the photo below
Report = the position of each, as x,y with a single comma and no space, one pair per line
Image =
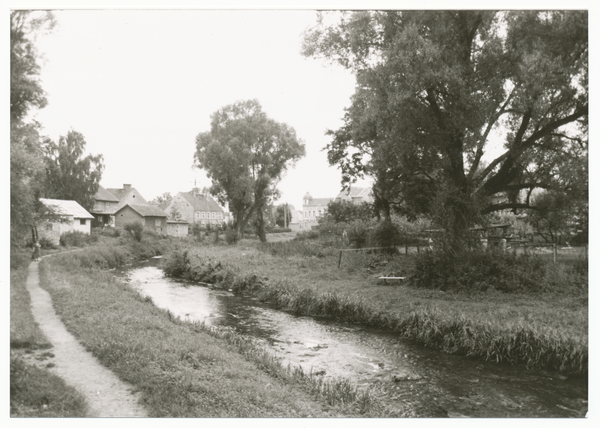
547,329
34,391
183,369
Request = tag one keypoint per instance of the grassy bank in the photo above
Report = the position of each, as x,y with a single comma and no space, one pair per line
34,391
183,369
546,329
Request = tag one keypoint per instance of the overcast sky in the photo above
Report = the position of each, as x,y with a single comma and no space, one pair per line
140,85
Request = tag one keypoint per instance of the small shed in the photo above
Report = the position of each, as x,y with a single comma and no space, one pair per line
151,216
64,216
177,227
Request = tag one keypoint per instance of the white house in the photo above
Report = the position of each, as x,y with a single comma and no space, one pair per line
65,216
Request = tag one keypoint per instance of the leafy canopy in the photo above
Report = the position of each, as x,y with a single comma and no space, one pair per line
433,88
245,154
70,175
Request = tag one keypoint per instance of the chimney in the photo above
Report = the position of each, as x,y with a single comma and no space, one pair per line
127,186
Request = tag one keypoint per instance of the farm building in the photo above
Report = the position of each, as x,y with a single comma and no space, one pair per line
150,216
65,216
195,207
177,227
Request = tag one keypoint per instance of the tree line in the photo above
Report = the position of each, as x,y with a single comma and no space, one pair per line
40,167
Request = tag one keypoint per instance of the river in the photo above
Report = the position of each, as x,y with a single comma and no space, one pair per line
403,374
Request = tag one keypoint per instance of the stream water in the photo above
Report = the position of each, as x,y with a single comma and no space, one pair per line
402,373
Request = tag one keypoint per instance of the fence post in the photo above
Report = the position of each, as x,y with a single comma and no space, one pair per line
554,250
406,249
418,249
340,259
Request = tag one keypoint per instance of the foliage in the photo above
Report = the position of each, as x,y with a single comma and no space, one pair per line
231,236
344,211
553,216
504,271
283,215
165,197
433,90
27,176
69,175
386,234
278,229
245,154
74,238
135,229
358,233
26,93
306,234
25,88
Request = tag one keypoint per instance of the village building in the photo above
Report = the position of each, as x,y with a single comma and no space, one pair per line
127,195
65,216
194,207
356,195
105,205
312,209
151,216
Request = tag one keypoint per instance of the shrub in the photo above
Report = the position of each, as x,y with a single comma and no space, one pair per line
385,234
504,271
135,229
358,234
74,238
231,236
309,234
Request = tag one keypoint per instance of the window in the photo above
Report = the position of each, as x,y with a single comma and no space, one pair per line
82,221
212,215
203,214
107,205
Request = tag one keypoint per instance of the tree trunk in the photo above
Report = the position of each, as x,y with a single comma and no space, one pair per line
261,226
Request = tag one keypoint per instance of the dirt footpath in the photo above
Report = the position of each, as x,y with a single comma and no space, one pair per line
105,393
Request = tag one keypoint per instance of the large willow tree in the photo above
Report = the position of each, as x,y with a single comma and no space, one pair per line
434,87
245,154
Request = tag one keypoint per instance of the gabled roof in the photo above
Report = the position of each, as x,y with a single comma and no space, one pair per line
319,201
200,203
104,195
119,193
354,192
145,210
62,207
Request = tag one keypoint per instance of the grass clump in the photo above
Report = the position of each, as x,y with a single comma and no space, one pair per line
74,238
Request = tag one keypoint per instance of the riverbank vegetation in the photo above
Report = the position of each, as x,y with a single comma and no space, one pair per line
184,369
540,323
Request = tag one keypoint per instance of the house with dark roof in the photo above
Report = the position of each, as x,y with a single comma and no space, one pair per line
194,206
356,195
105,205
151,216
127,195
65,216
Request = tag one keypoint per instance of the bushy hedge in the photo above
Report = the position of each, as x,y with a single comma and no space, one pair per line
74,238
504,271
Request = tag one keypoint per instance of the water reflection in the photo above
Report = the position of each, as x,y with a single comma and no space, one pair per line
404,373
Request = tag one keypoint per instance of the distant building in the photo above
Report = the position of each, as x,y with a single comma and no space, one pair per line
312,209
128,195
195,206
151,216
66,216
105,205
356,195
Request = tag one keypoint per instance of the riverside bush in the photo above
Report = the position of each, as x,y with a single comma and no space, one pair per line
135,229
480,270
307,234
385,234
74,238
